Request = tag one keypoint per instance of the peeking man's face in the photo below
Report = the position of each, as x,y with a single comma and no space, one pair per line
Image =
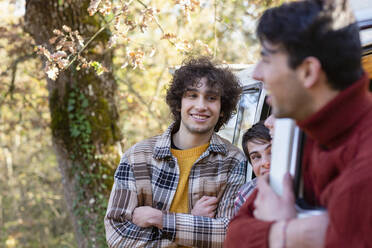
260,156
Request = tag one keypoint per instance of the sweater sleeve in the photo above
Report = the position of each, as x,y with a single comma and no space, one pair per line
246,231
350,208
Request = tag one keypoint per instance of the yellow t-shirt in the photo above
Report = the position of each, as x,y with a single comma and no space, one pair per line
186,159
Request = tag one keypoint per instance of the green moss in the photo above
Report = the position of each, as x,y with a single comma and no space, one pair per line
59,118
101,122
86,123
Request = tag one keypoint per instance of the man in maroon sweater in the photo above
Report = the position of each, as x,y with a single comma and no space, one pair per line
311,65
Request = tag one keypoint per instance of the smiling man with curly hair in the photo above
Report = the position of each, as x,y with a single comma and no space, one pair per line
177,189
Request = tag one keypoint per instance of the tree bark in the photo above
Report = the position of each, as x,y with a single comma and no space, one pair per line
83,117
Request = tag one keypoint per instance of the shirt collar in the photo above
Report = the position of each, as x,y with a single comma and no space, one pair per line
328,125
163,144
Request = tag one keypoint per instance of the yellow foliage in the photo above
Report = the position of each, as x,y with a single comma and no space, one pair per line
11,242
130,99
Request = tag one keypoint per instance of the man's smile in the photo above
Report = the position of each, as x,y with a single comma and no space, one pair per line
199,117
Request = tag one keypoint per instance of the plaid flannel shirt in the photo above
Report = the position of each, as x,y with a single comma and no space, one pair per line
244,192
148,175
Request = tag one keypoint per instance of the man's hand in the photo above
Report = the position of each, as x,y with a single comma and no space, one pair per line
147,216
205,206
308,232
271,207
313,231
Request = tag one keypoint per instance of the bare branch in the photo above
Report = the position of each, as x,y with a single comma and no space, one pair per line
140,99
157,22
157,91
88,42
13,68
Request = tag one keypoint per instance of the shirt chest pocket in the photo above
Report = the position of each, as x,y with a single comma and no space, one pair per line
209,180
209,187
212,188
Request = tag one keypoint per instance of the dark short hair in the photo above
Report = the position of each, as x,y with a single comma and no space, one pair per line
220,78
258,132
306,28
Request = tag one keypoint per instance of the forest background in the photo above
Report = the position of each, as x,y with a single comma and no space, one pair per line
80,82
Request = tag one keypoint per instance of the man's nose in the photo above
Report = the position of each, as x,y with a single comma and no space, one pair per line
269,123
266,162
201,104
257,72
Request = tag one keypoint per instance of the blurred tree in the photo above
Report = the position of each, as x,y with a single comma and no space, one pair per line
31,198
32,206
83,115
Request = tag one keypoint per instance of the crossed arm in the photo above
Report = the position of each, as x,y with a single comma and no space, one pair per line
130,225
147,216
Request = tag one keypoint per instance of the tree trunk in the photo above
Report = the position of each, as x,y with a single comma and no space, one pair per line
83,117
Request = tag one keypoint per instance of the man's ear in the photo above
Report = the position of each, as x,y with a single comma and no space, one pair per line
309,71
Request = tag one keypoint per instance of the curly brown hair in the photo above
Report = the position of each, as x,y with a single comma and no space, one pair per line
217,77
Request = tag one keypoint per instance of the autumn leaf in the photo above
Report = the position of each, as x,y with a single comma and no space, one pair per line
93,7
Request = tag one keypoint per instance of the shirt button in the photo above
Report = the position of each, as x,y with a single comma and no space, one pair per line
171,164
159,205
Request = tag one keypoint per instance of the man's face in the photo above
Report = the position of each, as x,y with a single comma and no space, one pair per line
260,156
200,108
286,92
